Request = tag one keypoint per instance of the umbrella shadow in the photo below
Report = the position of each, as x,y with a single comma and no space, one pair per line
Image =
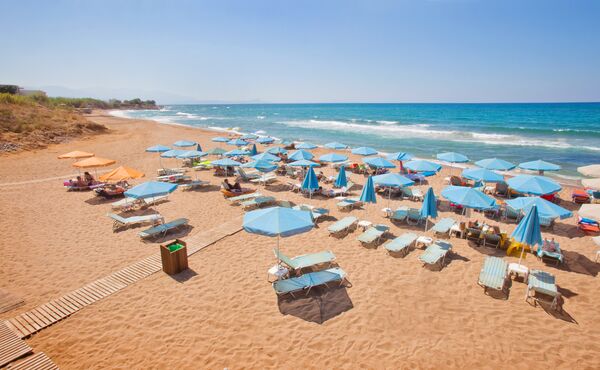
578,263
98,200
278,188
206,188
320,305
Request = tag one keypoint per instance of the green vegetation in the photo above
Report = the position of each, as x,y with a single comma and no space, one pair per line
34,121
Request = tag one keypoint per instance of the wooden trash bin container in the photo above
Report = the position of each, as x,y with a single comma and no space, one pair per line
174,257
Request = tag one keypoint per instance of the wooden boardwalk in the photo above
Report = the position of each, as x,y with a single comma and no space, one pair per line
39,361
30,322
11,346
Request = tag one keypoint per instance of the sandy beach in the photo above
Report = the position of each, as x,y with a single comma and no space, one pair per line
223,313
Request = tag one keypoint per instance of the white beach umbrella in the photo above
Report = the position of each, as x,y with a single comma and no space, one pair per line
591,183
592,170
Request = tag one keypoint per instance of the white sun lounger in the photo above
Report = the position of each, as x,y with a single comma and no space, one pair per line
257,202
349,204
343,226
194,185
265,179
436,253
373,234
443,226
306,260
493,274
402,244
241,198
129,204
124,222
307,281
161,230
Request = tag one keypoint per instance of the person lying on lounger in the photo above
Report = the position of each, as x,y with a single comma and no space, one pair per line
233,188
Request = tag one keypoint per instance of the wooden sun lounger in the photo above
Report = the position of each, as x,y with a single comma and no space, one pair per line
124,222
161,230
343,226
401,245
493,274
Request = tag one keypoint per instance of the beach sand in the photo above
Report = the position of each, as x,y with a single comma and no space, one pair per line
223,312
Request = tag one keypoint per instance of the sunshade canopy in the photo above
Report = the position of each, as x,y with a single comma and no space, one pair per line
378,162
495,164
150,189
544,207
300,154
278,221
482,174
75,155
468,197
452,157
392,180
423,166
364,150
121,173
332,157
536,185
94,162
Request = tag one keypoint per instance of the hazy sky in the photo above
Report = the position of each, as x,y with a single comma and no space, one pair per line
308,51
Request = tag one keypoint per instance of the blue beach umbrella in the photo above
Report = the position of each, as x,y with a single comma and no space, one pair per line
300,154
364,150
249,137
261,165
266,156
536,185
150,189
399,156
539,166
393,180
277,150
468,197
379,162
184,143
333,158
495,164
452,157
278,222
220,139
429,207
482,174
368,192
173,153
304,163
198,148
191,154
237,152
217,151
253,150
158,149
423,166
341,179
237,142
310,182
306,146
265,140
335,145
225,162
544,207
528,230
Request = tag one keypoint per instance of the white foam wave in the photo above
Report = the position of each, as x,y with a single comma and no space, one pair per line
120,113
260,117
387,122
422,131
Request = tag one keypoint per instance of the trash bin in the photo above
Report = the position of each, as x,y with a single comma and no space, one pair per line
174,257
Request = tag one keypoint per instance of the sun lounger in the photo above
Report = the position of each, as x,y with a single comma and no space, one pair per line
400,214
129,204
316,212
306,260
349,204
413,217
493,274
257,202
373,235
436,253
307,281
243,197
163,229
193,185
248,176
443,226
343,226
265,179
169,171
124,222
546,222
170,178
543,283
550,251
412,194
401,244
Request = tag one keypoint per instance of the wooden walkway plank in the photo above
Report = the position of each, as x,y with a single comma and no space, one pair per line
38,361
11,346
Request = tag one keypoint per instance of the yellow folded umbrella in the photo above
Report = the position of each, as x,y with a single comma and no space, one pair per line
94,162
75,155
121,173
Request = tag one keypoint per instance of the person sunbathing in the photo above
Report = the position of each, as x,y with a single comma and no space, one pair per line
88,178
80,182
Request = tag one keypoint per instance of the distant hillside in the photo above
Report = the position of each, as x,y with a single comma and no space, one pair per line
32,122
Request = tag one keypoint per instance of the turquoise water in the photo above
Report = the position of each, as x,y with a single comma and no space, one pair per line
567,134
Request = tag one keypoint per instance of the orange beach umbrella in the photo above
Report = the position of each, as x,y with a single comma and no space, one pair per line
94,162
75,155
121,173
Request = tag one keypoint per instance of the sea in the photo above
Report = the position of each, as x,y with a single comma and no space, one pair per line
567,134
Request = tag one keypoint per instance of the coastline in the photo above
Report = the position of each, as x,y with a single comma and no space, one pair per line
224,313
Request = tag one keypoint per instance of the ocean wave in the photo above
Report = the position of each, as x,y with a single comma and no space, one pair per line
383,122
261,117
420,131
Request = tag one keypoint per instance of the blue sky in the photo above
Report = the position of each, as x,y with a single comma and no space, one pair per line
306,51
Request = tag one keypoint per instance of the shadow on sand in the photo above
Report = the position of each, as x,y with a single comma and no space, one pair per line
320,305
